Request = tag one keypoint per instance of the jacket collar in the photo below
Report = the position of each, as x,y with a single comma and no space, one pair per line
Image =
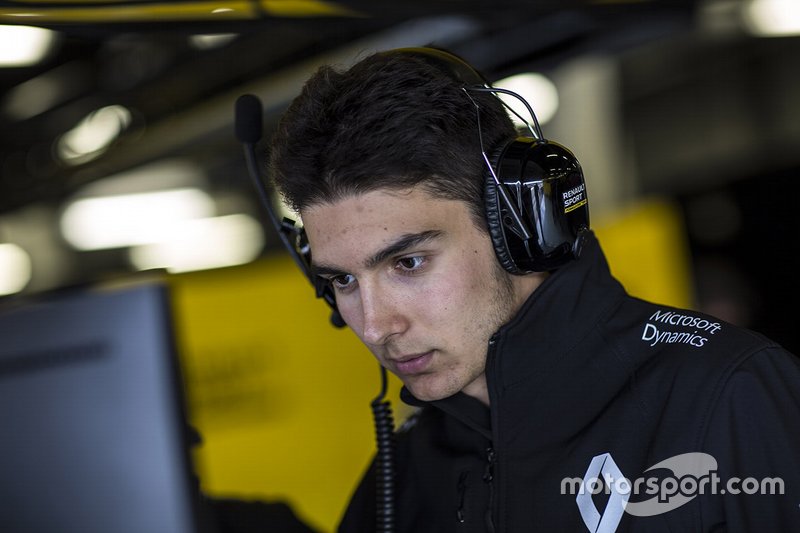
558,315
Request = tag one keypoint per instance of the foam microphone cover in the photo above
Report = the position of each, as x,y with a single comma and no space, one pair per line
248,119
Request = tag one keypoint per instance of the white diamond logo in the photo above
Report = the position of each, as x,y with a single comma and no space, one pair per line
603,474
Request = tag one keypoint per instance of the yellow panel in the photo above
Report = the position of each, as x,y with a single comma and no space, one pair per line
130,12
280,397
305,8
647,251
127,11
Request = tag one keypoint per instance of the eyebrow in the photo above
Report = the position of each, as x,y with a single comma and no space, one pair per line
399,245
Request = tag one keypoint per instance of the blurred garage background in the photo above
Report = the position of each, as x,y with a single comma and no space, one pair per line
118,156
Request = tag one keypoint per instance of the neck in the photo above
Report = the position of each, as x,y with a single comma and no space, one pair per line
525,285
478,389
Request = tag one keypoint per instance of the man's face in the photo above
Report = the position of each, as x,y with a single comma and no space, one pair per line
418,282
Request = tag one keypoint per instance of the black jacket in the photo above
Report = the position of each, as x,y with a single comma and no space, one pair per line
588,375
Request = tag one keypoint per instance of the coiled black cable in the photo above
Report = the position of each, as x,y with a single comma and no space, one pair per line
249,117
384,459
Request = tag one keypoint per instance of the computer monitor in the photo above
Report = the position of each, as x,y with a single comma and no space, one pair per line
92,431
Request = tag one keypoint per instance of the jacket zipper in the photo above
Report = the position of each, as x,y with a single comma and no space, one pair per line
491,454
462,489
488,478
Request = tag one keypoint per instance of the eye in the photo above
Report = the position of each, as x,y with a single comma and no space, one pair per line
411,264
343,282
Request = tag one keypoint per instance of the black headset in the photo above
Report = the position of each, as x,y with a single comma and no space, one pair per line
535,197
534,192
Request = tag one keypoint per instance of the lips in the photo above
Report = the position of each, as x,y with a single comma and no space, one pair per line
412,364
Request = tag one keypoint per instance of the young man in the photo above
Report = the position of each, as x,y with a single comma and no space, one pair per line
550,400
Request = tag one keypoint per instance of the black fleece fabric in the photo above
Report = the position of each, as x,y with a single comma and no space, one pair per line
589,388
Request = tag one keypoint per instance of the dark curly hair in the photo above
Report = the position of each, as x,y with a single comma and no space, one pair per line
393,120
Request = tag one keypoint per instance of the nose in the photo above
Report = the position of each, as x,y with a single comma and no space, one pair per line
382,315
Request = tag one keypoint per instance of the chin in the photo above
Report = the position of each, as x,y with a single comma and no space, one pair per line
429,392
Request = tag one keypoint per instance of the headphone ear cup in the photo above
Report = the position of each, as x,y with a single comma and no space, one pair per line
538,216
494,216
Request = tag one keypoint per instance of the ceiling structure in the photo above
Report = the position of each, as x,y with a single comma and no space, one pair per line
139,55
